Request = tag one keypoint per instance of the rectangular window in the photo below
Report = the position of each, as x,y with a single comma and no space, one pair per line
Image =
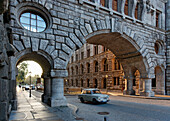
102,2
76,57
95,50
82,55
136,11
158,18
72,59
114,5
126,7
88,53
154,82
114,80
118,81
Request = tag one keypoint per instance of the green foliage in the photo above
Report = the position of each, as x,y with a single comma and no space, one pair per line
33,79
22,71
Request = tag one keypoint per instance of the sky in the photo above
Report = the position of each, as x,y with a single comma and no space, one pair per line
34,68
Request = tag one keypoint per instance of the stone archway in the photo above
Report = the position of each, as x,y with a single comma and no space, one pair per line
53,83
67,31
158,83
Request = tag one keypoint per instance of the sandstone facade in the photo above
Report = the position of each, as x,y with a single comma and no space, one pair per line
103,71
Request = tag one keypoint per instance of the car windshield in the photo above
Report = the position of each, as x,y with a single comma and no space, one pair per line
96,92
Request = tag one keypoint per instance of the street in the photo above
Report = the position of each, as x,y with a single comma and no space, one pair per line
122,108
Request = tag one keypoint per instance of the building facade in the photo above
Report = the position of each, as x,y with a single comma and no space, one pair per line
94,66
49,31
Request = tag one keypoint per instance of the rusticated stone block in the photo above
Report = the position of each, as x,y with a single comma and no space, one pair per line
3,111
4,86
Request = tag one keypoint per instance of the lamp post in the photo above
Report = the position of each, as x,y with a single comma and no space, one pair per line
106,84
30,84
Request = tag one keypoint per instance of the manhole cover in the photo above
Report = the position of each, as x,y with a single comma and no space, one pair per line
79,118
103,113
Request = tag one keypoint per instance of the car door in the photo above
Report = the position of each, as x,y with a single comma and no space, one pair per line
88,95
84,95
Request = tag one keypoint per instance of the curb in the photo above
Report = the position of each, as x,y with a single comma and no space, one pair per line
75,109
142,97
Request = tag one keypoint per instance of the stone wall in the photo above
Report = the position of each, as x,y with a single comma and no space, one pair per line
7,96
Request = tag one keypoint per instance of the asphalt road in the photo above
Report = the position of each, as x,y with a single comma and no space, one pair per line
122,109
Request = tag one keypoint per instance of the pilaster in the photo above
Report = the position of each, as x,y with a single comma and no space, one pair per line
147,88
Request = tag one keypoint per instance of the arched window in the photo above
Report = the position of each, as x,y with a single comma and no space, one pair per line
88,67
76,83
95,83
76,69
105,65
117,65
104,83
96,66
158,47
82,69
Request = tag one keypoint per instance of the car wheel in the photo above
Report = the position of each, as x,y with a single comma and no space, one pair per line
82,100
94,101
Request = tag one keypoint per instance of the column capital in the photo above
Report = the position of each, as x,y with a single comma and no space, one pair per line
59,73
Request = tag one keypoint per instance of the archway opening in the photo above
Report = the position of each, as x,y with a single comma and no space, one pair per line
29,76
39,68
158,83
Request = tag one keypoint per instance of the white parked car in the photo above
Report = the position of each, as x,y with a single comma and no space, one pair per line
93,95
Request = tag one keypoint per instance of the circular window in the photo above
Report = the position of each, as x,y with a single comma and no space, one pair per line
32,22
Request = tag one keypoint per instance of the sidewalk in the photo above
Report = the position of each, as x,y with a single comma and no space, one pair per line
31,109
157,97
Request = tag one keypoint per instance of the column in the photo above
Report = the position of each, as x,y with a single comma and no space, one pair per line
47,90
13,74
140,85
167,83
58,98
129,87
147,88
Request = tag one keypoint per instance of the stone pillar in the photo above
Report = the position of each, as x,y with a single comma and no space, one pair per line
13,73
167,87
147,88
47,90
140,85
4,99
129,87
58,98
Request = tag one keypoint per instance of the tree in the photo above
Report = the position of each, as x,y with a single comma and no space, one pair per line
22,71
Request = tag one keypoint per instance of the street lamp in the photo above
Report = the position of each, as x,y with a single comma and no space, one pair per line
30,84
106,83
